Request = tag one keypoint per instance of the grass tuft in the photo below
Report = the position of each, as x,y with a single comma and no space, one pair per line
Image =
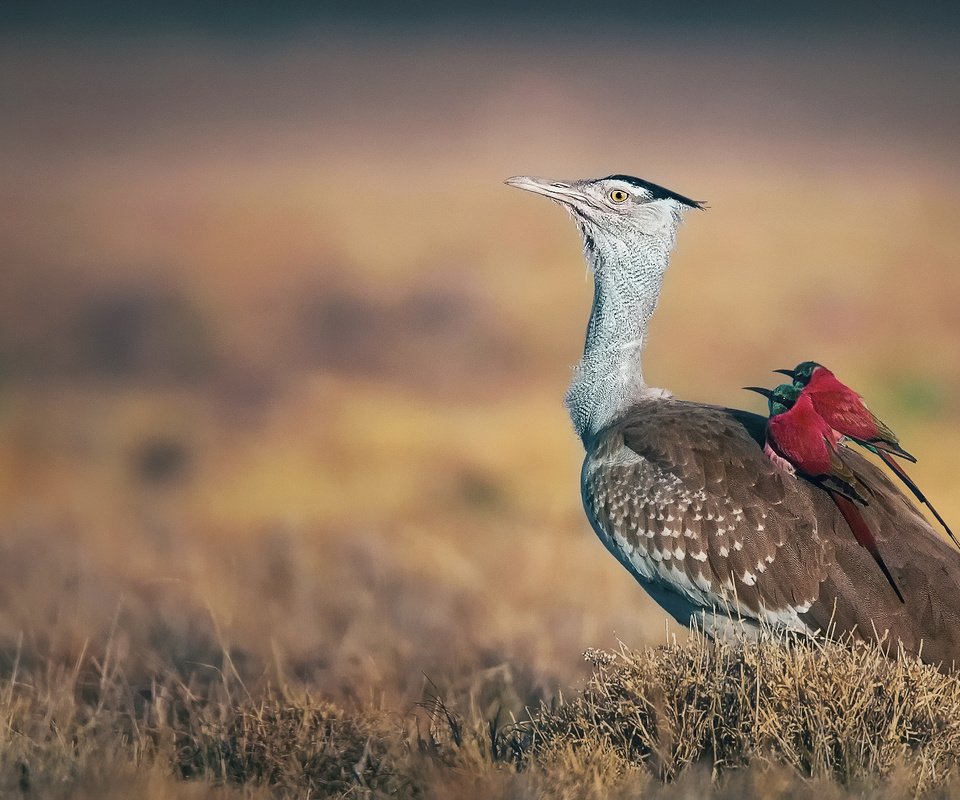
848,712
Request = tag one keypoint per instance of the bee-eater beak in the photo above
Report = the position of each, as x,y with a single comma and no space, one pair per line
768,393
787,372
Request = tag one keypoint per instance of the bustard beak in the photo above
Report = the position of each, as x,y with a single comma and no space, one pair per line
561,191
768,393
787,372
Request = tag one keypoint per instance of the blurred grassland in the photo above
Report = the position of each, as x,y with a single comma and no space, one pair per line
281,360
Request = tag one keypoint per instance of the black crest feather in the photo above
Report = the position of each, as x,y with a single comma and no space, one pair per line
656,191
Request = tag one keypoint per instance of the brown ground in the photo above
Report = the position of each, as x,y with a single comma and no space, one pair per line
281,359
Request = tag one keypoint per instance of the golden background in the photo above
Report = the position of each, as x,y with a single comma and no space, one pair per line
282,360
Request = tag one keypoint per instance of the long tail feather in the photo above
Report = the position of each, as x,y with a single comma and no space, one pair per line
864,536
880,446
901,473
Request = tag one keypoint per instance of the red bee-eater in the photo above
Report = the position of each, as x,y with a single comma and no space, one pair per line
797,434
845,412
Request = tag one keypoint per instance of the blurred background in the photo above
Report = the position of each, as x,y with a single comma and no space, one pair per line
282,361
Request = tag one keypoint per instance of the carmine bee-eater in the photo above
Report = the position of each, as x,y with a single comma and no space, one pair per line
844,411
796,433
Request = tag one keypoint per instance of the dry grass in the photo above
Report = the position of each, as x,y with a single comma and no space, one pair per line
802,716
852,714
280,424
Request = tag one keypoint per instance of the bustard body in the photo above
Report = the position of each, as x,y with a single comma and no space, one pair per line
682,493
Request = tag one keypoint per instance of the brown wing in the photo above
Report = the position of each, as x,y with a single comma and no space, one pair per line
925,566
678,477
685,498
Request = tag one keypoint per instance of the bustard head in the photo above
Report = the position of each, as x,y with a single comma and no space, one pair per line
618,209
629,227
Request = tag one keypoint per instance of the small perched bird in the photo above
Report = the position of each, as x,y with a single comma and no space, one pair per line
845,412
797,434
844,409
684,497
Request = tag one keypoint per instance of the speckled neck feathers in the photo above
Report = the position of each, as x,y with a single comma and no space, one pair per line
628,273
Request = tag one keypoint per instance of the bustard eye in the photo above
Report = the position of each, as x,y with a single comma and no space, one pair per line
618,195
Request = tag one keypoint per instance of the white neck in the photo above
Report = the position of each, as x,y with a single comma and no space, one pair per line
628,274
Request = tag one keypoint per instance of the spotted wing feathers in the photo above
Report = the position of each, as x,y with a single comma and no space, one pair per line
685,498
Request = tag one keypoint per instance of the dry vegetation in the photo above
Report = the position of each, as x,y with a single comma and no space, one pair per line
806,717
282,457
